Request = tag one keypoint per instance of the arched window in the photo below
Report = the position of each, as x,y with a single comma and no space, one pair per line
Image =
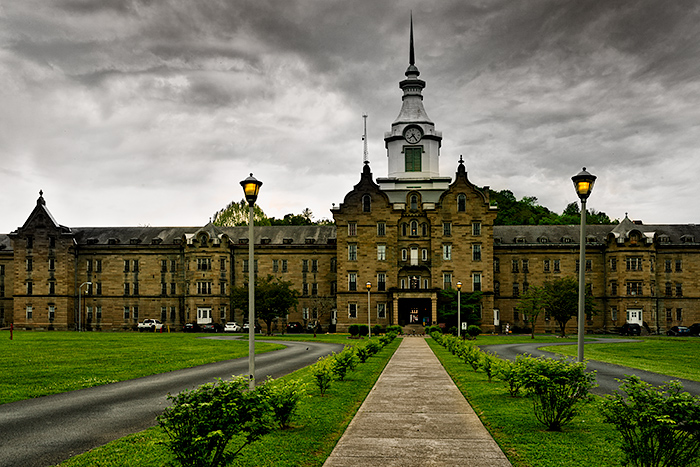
366,203
461,202
414,202
404,229
414,228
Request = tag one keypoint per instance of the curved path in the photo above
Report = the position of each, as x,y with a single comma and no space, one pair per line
606,373
50,429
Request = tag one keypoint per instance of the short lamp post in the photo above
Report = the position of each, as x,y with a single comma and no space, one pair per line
80,306
583,183
459,309
251,188
369,312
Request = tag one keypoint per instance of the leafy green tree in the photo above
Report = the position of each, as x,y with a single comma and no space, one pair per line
273,299
561,301
532,303
237,214
447,307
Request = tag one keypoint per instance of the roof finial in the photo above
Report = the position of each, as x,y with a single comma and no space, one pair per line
364,138
411,55
461,161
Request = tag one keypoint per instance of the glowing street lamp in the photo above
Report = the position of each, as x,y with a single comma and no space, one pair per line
369,321
583,184
251,188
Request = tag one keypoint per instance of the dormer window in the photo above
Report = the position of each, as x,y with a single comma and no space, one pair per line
543,240
366,203
687,239
414,202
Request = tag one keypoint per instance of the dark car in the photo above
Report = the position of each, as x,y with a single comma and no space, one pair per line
694,329
294,327
190,327
246,327
211,327
631,329
678,331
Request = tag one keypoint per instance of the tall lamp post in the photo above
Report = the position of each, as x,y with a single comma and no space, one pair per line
80,306
369,313
583,183
251,188
459,309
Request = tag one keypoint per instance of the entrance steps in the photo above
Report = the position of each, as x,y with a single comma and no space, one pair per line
413,330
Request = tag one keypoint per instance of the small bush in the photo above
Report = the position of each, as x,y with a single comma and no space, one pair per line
473,331
344,362
489,363
433,328
394,328
558,386
659,426
363,330
362,353
200,423
377,329
511,373
373,347
471,355
283,398
322,372
354,330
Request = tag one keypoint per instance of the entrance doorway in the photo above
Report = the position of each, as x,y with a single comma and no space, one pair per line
634,316
416,311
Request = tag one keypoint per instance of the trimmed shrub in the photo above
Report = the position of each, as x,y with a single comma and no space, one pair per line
473,331
344,362
377,329
559,387
322,372
659,426
200,423
283,398
363,330
354,330
395,328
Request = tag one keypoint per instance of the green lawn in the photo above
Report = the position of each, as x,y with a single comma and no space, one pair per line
673,356
41,363
313,435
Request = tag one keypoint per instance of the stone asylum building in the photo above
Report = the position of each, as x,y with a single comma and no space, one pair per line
409,234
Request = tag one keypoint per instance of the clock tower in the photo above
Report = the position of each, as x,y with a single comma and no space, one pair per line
413,144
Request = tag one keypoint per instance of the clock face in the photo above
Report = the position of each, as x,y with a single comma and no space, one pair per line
413,134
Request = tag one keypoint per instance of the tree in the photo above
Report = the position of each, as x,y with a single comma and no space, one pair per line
532,304
561,301
273,299
447,307
237,214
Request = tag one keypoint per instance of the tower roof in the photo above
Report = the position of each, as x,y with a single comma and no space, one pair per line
412,110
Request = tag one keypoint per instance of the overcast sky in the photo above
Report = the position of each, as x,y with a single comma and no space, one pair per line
141,112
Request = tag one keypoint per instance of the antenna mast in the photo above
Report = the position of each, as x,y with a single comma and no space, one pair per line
364,138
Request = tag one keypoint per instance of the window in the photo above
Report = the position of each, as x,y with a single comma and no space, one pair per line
414,203
222,288
381,252
314,289
634,263
424,229
172,313
352,229
352,252
275,265
526,285
679,265
136,288
52,242
314,265
669,316
476,252
381,310
30,242
634,288
414,228
447,251
2,269
424,254
173,288
126,313
516,289
29,264
413,159
679,289
496,265
173,265
52,312
304,289
164,265
669,289
29,310
589,265
476,229
556,265
515,266
366,203
461,202
135,313
446,280
613,313
163,288
334,288
613,288
305,313
204,288
334,264
546,265
667,265
526,265
352,310
476,282
127,263
204,264
352,281
135,264
381,281
381,229
245,265
404,254
304,265
284,265
613,264
679,314
163,313
447,229
222,264
126,288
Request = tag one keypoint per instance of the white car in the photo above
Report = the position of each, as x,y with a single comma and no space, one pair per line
232,326
150,325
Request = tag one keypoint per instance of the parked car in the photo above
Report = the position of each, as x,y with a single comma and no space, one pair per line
150,325
694,329
211,327
294,327
257,328
232,326
191,327
631,329
678,331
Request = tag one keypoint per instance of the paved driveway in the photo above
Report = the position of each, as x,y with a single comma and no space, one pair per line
606,373
48,430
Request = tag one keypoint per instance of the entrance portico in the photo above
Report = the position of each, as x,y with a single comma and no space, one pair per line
417,307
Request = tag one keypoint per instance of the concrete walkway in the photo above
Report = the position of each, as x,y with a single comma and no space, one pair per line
416,416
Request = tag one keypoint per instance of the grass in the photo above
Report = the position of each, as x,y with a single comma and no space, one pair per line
41,363
314,433
670,356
